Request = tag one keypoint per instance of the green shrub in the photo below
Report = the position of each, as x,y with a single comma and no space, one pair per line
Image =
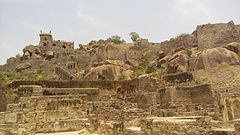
117,39
148,55
39,75
134,36
140,69
8,77
161,72
188,52
82,74
224,64
121,77
238,55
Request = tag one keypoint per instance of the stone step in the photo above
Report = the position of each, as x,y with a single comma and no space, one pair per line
64,74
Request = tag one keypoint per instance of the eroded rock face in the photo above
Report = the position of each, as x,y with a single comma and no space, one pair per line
234,47
109,70
49,55
215,57
104,72
31,51
23,66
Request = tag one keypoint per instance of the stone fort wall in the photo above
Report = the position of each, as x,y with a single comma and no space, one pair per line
214,35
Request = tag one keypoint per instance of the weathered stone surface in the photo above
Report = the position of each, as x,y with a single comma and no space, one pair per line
110,100
174,125
2,117
3,102
215,57
110,70
178,77
215,35
31,90
105,72
49,55
11,117
234,46
161,55
237,129
23,66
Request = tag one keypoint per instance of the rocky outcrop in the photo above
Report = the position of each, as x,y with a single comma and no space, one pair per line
49,55
109,70
23,66
190,60
234,47
31,51
178,62
215,57
104,72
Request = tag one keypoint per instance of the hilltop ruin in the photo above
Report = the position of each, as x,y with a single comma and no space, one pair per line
188,85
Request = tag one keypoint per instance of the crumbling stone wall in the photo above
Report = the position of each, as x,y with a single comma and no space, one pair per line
237,129
131,85
176,125
46,113
184,41
47,43
186,98
231,108
215,35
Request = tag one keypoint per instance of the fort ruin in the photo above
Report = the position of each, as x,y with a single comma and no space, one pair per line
187,85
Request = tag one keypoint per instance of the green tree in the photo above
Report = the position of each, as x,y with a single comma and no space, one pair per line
117,39
134,36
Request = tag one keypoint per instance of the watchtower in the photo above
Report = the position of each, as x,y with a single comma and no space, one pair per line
45,38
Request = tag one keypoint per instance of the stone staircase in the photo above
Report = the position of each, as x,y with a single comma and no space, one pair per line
64,74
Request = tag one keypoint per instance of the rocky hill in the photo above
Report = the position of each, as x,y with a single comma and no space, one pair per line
185,85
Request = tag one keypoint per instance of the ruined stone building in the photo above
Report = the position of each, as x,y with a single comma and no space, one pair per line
188,85
46,40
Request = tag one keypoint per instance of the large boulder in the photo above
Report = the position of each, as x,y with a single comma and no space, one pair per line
110,70
23,66
178,62
234,47
49,55
31,51
189,60
161,55
104,72
214,57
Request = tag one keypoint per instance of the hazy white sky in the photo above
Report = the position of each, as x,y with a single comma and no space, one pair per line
84,20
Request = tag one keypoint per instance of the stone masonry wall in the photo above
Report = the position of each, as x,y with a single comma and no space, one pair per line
214,35
182,41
